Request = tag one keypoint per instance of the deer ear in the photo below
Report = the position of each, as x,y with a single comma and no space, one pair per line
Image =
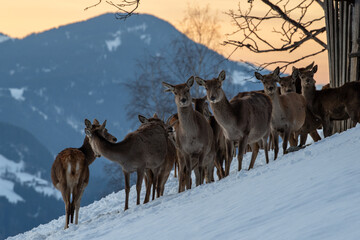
315,68
88,123
259,76
190,81
200,81
222,75
295,73
169,87
103,125
155,115
96,122
310,66
276,72
143,119
88,132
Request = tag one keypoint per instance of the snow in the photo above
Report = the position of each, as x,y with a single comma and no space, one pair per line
17,93
113,44
240,77
146,38
11,172
309,194
4,38
141,27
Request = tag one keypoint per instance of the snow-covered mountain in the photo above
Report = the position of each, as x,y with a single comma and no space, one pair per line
52,81
25,190
310,194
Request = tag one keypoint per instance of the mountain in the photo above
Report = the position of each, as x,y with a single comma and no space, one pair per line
52,81
25,192
309,194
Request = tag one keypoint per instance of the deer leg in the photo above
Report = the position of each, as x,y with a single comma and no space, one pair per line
327,126
241,149
255,151
197,171
276,144
229,156
285,141
293,139
127,189
188,169
264,141
66,197
148,181
218,163
77,194
315,135
175,175
140,177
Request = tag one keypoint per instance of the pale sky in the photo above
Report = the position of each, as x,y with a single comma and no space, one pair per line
19,18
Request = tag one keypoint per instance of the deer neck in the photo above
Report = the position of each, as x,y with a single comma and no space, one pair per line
186,117
116,152
309,94
87,150
275,99
224,114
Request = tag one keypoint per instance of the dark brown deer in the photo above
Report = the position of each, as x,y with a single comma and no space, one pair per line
333,103
143,149
194,136
70,173
288,114
244,120
224,147
288,84
165,169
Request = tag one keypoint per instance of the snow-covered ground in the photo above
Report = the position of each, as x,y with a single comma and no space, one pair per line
310,194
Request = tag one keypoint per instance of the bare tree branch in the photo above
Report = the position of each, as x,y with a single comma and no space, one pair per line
125,8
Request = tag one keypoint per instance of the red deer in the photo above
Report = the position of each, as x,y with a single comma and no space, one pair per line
70,173
173,124
140,150
194,136
288,84
244,120
224,148
333,103
288,114
165,169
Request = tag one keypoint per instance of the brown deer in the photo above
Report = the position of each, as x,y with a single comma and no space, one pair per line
70,173
173,124
165,169
330,104
194,136
288,114
223,147
140,150
288,84
244,120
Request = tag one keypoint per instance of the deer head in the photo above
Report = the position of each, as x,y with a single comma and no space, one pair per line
269,81
181,92
306,77
90,129
213,88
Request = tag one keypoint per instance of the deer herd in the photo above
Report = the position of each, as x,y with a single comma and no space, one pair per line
193,139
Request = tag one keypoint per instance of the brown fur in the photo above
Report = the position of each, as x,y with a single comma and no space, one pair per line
288,84
333,103
141,150
244,120
164,170
194,136
288,114
70,173
224,148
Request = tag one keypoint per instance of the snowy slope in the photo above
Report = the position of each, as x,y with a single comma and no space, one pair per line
310,194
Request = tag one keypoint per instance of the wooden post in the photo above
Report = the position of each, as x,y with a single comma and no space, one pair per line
354,61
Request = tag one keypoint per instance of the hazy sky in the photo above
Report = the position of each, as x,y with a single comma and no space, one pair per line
19,18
